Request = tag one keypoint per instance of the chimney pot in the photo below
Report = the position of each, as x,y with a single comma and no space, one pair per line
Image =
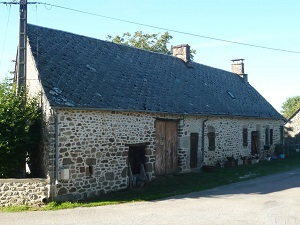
182,52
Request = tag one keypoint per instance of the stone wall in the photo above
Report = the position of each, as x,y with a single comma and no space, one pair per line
94,145
229,136
23,191
93,150
228,140
292,131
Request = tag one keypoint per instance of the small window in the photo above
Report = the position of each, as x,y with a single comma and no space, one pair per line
245,137
271,136
211,141
91,170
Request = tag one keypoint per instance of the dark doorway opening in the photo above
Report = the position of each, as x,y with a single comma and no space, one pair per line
136,157
136,168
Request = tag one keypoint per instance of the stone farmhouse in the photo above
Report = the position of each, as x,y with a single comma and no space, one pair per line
116,115
292,131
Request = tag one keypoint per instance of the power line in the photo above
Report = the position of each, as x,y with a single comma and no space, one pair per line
171,30
161,28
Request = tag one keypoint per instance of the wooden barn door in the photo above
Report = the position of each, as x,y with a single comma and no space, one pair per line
166,147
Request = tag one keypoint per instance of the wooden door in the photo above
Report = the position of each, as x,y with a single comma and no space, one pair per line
194,150
166,147
160,147
254,142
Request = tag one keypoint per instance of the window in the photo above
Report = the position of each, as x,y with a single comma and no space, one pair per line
211,141
271,136
245,137
91,171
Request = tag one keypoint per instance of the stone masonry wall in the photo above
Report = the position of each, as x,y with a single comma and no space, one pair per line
93,149
228,140
23,191
292,130
93,146
229,137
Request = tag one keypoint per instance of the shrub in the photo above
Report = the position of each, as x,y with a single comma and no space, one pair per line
16,135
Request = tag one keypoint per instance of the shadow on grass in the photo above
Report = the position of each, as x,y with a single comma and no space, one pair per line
262,185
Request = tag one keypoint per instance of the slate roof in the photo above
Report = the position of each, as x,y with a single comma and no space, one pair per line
82,72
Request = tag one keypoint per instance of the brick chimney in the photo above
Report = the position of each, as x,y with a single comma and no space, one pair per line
237,67
182,52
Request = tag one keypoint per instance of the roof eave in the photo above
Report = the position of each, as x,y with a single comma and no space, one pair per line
159,112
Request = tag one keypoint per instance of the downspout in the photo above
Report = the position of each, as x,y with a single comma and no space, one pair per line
56,147
203,126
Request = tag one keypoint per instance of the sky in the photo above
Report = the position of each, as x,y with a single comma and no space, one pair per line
268,23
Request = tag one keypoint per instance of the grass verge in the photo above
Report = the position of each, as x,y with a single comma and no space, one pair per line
175,184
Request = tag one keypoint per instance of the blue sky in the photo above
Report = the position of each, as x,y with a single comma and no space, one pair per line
269,23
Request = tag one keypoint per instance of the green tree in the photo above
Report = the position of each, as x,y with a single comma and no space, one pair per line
16,134
290,106
151,42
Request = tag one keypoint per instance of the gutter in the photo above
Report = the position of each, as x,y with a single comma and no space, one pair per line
56,147
202,149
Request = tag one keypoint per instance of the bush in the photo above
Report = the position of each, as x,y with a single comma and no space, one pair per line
16,135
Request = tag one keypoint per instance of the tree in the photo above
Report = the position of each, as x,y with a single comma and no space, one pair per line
16,134
150,42
290,106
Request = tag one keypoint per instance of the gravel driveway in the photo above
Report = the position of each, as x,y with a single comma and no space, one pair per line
268,200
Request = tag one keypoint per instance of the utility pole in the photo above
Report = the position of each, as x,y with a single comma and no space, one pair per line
21,77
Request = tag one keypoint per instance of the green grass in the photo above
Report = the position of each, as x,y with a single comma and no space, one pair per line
175,184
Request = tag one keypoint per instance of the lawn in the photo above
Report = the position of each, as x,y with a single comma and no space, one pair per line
170,185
